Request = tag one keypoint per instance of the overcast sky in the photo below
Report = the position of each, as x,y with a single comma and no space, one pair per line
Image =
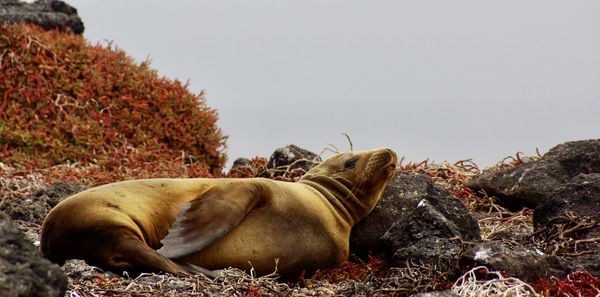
444,80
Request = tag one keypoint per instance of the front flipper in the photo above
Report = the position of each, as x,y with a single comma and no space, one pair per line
207,218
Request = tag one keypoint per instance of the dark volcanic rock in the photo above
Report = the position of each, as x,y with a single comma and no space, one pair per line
240,162
290,161
575,206
402,194
289,154
23,270
428,235
531,184
526,264
48,14
563,187
34,208
415,219
581,197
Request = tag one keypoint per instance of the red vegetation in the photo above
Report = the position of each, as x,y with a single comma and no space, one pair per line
577,283
353,271
453,176
65,101
255,166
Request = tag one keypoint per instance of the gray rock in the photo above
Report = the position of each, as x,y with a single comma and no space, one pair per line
48,14
34,208
289,154
240,162
563,187
415,219
580,197
23,270
532,183
575,203
429,236
402,194
290,161
526,264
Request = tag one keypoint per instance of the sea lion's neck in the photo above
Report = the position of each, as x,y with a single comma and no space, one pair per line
338,195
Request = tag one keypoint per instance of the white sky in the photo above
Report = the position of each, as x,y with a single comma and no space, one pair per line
444,80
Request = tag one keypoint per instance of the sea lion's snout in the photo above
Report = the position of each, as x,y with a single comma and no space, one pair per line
383,159
394,160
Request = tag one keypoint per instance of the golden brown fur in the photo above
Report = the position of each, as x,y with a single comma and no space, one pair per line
218,223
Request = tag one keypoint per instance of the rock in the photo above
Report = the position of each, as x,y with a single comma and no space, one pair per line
57,192
532,183
48,14
23,270
580,197
289,154
415,219
572,212
523,263
240,162
290,162
563,187
34,208
428,236
402,194
79,270
441,252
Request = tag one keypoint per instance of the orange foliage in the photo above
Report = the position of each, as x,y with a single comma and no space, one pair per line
65,101
453,176
255,166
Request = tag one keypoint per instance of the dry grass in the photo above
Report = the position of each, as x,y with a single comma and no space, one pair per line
562,240
480,281
89,281
354,278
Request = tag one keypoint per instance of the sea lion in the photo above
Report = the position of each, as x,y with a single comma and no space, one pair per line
190,225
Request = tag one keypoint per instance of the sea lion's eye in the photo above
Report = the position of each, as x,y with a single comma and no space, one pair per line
350,163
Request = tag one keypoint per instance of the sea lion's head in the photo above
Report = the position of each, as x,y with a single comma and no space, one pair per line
356,178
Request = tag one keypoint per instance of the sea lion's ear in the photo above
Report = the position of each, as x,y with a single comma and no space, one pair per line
207,218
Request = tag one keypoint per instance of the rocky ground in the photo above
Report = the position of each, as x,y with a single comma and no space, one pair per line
527,226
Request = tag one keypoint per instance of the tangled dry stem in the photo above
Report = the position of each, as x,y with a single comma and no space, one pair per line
292,172
480,281
354,278
500,223
562,238
453,177
516,160
90,281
